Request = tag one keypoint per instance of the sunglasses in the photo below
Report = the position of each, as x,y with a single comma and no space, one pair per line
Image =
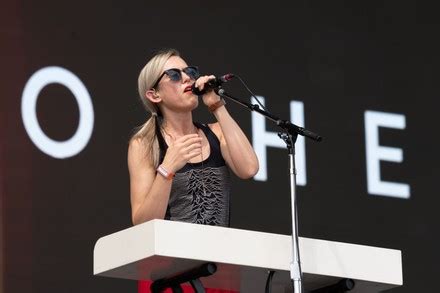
175,74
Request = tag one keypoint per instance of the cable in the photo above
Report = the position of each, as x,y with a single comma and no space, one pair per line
269,281
252,94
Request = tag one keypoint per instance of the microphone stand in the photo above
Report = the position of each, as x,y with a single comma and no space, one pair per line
289,133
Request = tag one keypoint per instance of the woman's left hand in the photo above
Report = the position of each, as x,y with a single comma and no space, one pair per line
210,97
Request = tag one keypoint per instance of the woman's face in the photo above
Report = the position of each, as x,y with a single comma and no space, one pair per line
177,95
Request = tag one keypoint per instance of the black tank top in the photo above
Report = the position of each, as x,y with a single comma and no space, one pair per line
200,191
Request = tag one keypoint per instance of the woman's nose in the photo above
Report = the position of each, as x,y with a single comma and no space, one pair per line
185,77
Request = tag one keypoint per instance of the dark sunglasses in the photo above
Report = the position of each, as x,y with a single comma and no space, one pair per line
175,74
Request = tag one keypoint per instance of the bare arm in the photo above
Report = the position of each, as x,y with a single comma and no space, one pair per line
149,192
235,147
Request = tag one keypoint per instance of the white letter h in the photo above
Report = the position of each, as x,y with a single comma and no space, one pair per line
261,139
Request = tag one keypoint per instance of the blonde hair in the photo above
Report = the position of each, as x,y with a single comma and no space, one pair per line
147,133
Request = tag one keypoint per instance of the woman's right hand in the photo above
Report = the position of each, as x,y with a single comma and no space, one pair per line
181,151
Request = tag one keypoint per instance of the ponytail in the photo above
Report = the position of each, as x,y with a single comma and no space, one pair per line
148,135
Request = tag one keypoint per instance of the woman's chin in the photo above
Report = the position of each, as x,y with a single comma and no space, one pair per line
195,105
194,101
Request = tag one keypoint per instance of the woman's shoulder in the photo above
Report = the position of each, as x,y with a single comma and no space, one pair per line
135,144
137,152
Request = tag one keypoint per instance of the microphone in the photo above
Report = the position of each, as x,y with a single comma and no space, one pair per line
212,84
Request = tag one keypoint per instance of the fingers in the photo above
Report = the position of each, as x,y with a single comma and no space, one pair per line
186,137
187,140
188,146
201,81
183,150
193,154
191,148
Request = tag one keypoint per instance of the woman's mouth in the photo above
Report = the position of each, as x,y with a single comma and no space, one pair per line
187,89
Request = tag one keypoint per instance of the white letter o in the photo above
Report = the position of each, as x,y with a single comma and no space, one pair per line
40,79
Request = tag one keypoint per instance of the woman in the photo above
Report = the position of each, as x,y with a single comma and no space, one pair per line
179,168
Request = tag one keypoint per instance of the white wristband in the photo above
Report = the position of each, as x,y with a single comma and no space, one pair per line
162,171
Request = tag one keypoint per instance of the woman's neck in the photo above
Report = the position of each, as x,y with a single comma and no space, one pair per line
179,124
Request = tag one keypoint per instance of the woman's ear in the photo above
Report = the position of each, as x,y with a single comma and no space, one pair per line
153,96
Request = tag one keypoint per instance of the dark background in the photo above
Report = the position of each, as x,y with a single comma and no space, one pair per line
340,58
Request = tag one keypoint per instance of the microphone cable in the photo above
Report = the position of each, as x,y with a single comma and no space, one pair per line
252,94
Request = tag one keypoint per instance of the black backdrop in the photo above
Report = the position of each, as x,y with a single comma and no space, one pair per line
340,58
